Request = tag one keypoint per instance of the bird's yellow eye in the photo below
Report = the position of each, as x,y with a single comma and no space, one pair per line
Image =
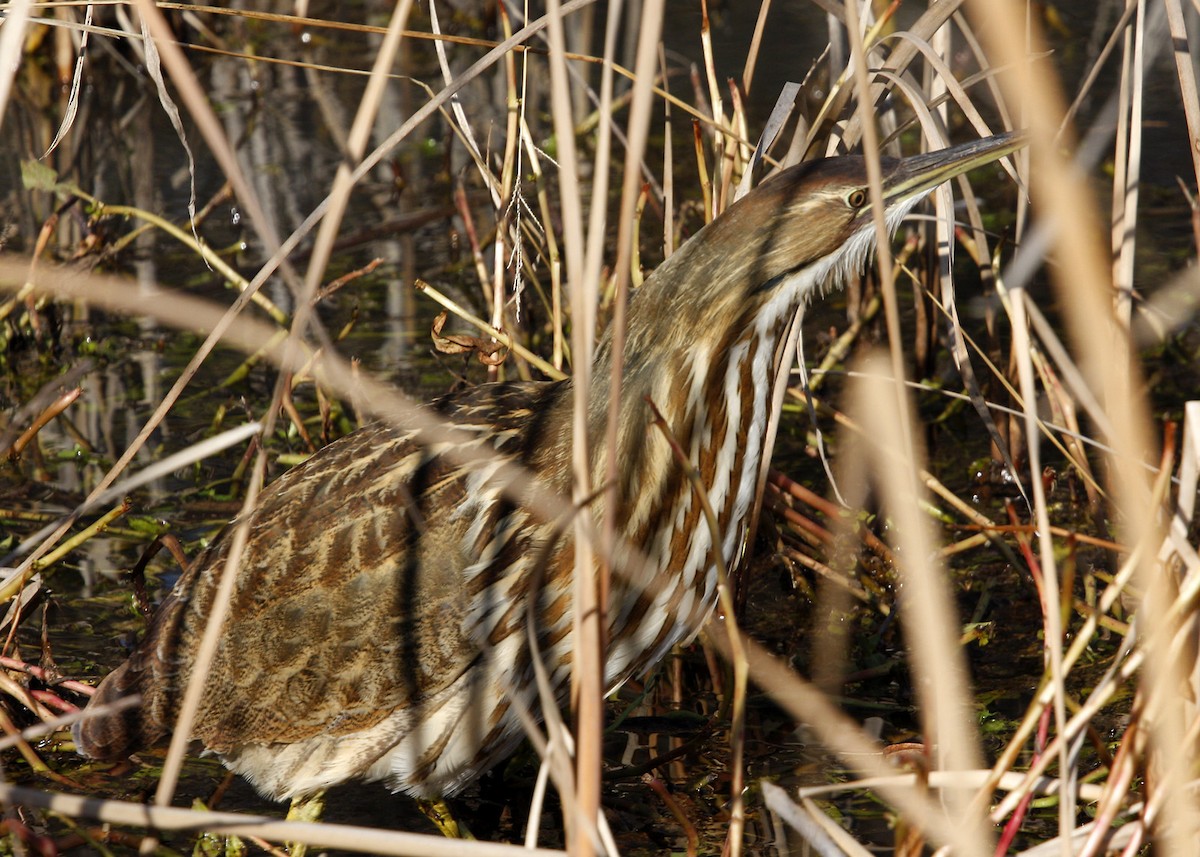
856,198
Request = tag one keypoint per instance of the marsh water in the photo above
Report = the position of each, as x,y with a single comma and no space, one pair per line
288,123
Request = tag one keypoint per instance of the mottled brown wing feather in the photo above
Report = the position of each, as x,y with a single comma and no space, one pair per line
348,600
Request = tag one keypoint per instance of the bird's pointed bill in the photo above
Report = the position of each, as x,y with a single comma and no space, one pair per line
920,174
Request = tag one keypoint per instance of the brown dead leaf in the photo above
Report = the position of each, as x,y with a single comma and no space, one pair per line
488,353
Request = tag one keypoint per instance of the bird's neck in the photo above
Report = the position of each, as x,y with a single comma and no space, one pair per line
714,392
710,373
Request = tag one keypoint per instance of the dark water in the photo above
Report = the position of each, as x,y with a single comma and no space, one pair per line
287,123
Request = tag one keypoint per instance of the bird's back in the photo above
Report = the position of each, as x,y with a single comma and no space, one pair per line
349,617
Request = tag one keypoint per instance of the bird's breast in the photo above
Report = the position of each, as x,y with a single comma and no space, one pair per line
667,578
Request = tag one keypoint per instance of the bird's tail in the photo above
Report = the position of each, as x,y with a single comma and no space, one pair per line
112,726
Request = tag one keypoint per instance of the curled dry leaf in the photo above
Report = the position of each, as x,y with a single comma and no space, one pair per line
488,352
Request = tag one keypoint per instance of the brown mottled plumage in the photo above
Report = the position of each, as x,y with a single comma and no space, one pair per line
377,625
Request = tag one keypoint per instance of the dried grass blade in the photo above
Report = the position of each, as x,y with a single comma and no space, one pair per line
805,819
366,840
586,690
898,61
1127,167
12,40
460,115
784,105
182,459
1185,68
755,42
710,72
944,77
73,97
154,70
1051,592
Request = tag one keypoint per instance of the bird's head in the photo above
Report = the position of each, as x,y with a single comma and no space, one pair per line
803,230
815,220
809,226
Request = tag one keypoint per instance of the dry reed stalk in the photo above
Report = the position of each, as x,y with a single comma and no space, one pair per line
883,239
11,42
366,840
927,612
1184,67
755,43
1127,165
668,201
586,689
552,253
716,105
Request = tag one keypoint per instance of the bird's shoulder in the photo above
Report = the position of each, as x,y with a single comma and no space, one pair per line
502,404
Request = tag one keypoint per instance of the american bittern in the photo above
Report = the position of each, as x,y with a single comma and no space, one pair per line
377,625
